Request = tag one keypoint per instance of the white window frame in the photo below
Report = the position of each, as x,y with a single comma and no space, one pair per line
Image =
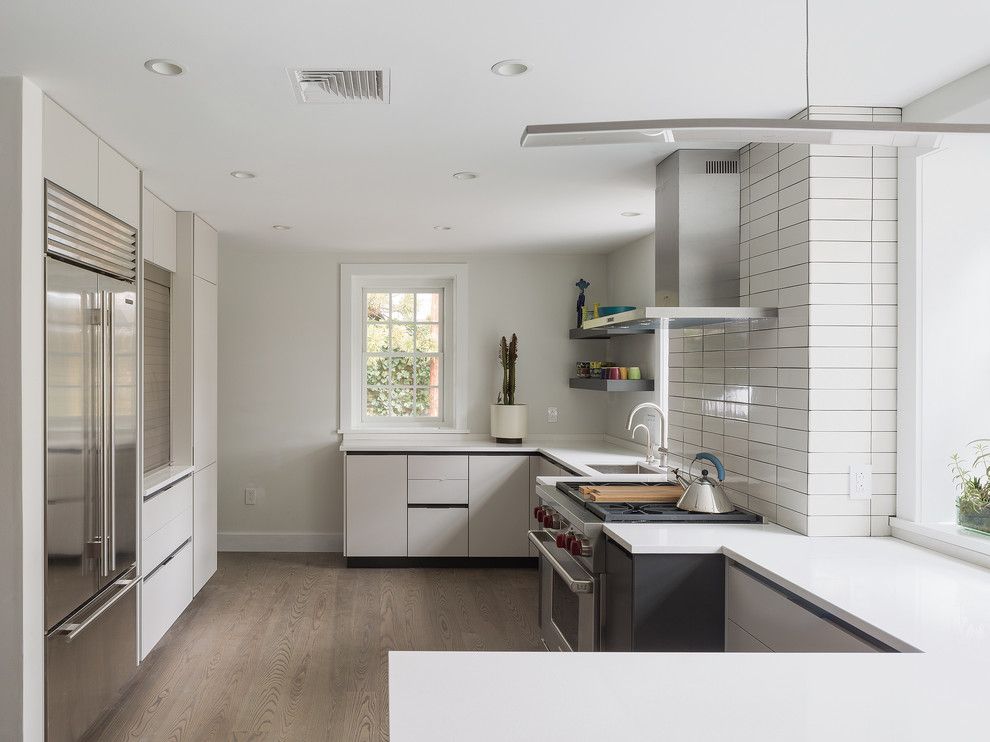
355,280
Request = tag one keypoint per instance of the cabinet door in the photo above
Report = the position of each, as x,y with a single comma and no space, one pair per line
375,491
498,494
204,373
204,526
205,244
120,185
148,200
438,532
165,235
71,153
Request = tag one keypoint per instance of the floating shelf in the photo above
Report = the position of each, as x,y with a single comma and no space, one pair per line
604,333
613,385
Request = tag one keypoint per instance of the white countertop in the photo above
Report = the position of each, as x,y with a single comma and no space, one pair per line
600,697
575,454
162,478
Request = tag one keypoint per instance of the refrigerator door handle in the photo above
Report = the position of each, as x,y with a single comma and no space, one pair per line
72,630
111,534
105,458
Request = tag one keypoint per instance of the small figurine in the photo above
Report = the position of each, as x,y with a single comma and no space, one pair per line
581,284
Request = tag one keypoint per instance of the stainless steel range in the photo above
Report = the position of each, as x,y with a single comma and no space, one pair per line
571,543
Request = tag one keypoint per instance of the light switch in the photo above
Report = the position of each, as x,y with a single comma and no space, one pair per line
860,482
551,414
250,496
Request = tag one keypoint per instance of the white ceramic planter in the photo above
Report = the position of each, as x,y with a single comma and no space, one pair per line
508,422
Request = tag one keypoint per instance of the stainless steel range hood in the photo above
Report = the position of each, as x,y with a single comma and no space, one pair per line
697,247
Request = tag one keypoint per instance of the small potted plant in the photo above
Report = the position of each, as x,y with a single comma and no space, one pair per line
508,418
973,503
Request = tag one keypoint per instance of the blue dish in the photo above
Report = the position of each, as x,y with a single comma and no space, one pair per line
606,311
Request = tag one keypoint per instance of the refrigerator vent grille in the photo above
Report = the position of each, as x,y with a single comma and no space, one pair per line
340,86
80,233
721,167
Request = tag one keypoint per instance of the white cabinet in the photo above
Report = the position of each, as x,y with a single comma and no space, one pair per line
158,231
204,373
70,153
205,252
79,161
204,525
499,506
375,505
438,531
165,593
119,185
773,618
442,468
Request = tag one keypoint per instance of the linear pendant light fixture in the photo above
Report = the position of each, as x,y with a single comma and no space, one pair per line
709,131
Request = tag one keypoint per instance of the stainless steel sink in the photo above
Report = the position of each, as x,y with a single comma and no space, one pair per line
625,469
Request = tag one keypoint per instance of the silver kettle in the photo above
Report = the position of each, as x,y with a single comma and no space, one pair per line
702,494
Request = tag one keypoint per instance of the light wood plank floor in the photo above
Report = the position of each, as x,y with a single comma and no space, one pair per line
295,647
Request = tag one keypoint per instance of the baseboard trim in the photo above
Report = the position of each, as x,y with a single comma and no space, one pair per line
462,562
315,542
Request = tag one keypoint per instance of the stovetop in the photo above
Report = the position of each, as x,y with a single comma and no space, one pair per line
649,512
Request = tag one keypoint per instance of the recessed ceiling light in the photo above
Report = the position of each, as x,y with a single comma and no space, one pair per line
510,67
441,228
281,227
242,174
465,175
630,213
165,67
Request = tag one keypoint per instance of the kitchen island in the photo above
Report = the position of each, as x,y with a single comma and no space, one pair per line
934,609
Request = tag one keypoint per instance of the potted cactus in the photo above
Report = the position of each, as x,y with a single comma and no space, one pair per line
508,418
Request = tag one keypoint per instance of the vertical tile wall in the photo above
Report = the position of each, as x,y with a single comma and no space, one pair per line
791,404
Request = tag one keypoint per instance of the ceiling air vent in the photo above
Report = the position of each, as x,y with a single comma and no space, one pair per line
721,167
340,86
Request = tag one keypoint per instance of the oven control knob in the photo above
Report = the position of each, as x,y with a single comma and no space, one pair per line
571,538
562,541
555,522
581,547
548,518
538,513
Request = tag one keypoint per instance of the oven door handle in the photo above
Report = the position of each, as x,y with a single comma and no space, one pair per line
540,539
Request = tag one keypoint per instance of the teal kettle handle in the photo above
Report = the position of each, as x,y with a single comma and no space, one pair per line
713,459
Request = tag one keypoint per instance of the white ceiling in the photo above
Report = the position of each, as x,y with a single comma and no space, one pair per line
377,178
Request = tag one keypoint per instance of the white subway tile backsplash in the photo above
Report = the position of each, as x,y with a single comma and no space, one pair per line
839,251
840,293
839,399
839,230
840,188
841,167
830,336
840,272
841,314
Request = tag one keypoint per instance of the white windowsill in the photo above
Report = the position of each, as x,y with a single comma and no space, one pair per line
947,538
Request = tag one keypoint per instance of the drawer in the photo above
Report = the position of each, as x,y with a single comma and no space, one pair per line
438,467
165,504
438,491
165,593
165,540
438,532
780,623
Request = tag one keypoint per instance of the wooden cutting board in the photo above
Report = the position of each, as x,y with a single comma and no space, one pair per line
632,493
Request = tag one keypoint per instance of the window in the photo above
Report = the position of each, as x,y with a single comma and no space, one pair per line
403,341
403,348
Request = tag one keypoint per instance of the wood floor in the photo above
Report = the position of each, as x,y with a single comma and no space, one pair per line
295,647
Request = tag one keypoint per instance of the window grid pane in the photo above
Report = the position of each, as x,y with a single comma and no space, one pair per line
403,354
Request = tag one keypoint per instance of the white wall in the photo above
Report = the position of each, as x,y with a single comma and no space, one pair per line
944,301
279,368
631,282
21,413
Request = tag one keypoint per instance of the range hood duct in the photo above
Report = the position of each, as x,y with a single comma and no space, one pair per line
697,247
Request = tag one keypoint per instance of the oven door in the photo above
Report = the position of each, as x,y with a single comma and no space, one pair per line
568,599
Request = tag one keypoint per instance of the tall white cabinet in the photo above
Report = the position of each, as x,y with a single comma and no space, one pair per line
198,252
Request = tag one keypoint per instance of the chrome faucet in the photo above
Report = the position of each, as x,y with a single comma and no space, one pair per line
662,447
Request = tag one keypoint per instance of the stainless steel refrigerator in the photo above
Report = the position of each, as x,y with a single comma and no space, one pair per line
91,479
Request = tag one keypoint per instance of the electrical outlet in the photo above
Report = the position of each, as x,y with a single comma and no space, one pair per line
860,482
250,496
551,414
